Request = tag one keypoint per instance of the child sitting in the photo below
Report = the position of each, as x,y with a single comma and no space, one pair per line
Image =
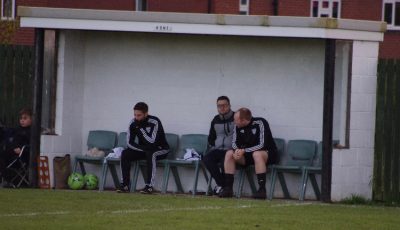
14,143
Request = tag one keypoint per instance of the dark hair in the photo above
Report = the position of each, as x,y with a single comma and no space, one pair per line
221,98
244,114
25,111
141,106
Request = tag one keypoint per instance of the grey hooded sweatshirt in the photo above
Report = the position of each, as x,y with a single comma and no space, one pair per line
221,131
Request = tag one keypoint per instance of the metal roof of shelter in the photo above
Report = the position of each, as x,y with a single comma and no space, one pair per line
192,23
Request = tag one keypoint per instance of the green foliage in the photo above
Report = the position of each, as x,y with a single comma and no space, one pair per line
356,200
8,28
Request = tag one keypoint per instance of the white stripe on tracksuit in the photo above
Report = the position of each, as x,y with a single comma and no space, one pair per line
154,164
153,136
261,143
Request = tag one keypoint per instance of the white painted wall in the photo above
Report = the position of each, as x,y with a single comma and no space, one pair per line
352,169
180,77
103,74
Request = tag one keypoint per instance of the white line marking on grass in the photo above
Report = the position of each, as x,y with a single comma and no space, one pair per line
34,214
165,210
291,204
127,211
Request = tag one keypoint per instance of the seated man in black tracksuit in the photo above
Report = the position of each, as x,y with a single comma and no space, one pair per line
151,145
219,141
252,144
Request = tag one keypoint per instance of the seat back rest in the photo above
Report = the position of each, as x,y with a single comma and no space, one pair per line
280,146
318,158
192,141
122,141
173,140
301,152
102,139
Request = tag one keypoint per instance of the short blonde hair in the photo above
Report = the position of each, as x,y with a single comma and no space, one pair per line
244,114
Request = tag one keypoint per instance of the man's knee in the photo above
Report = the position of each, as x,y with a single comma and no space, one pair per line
260,156
229,155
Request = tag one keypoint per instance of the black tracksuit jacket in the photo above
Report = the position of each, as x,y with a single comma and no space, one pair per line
256,136
150,134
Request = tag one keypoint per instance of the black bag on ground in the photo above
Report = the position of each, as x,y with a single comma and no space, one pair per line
62,169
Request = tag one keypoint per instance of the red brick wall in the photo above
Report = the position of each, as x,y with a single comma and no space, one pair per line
261,7
225,6
188,6
362,9
390,48
353,9
93,4
31,2
294,8
24,36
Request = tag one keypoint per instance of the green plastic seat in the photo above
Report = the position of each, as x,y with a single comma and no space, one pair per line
173,140
300,153
187,141
103,140
111,163
250,170
310,172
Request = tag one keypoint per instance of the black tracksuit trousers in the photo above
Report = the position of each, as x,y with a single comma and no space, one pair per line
128,155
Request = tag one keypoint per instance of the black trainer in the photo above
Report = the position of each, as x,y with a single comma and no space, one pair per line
123,188
260,194
226,192
147,190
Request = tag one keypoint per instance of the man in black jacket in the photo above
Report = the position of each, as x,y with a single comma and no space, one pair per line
252,144
219,141
146,141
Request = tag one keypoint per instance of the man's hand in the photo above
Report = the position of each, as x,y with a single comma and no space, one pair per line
17,151
238,154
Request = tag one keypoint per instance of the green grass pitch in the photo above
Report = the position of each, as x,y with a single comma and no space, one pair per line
66,209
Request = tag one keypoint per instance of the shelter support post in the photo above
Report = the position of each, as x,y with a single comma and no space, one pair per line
36,107
329,79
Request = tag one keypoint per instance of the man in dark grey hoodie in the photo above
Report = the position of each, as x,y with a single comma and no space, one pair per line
219,141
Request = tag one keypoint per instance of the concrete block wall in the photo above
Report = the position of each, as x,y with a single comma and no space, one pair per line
192,71
352,168
69,101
